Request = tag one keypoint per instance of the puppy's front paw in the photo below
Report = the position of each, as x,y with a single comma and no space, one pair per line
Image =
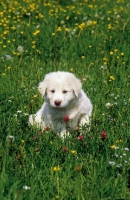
36,120
64,134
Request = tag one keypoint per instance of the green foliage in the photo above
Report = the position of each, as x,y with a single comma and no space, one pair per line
90,39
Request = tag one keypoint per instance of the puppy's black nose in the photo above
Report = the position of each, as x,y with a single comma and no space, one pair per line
57,102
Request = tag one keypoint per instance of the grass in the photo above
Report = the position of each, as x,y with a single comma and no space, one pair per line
90,39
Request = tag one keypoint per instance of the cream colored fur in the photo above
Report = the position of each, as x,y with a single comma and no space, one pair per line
63,96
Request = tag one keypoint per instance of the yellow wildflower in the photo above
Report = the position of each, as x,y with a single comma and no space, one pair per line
67,18
36,32
71,69
59,29
113,146
111,53
56,168
73,152
122,54
112,78
53,34
118,141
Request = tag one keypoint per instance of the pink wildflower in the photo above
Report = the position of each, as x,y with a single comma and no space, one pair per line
103,134
64,149
66,118
80,137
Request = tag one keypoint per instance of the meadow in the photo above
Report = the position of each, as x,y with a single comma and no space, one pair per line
92,40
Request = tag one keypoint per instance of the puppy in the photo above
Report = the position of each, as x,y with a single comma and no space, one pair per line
65,106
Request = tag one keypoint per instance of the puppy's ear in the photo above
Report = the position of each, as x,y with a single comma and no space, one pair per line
42,88
77,86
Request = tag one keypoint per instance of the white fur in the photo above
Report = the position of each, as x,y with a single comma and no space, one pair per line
63,96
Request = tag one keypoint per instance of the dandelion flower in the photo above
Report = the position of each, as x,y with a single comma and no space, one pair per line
113,146
82,57
36,32
53,34
112,78
56,168
111,53
73,152
20,49
35,96
10,138
8,57
108,105
122,54
8,67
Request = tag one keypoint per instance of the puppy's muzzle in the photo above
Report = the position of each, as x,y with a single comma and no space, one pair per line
57,102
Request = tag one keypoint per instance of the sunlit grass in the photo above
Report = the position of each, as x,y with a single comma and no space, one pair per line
90,39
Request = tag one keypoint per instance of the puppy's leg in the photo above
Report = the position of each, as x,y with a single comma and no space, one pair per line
85,121
63,134
36,119
60,129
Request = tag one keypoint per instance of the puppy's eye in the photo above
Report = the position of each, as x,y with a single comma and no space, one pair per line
64,91
52,91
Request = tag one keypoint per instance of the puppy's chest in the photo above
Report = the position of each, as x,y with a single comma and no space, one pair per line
59,114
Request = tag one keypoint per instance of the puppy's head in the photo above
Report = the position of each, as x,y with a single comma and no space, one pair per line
60,88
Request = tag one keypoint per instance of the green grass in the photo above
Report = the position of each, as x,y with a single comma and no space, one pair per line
92,40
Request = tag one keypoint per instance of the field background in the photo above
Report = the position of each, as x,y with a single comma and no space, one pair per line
92,40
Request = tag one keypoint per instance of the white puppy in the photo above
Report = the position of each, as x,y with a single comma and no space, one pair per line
65,107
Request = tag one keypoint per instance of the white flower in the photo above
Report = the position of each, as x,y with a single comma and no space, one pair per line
116,155
25,114
10,138
126,149
8,57
108,105
20,49
120,165
26,187
19,111
9,101
111,163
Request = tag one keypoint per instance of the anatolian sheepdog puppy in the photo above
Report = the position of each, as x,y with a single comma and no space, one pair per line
65,106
